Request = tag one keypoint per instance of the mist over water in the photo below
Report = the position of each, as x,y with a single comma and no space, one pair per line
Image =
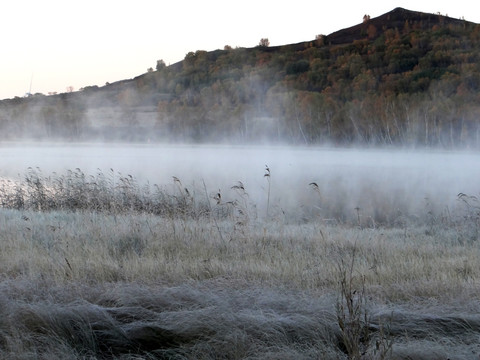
379,183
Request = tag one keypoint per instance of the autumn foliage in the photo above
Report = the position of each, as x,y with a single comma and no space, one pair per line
404,78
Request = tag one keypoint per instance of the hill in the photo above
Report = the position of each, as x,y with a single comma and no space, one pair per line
404,78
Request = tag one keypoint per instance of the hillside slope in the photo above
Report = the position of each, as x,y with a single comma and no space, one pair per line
404,78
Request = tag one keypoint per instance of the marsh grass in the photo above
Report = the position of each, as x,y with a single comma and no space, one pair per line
114,193
109,192
104,268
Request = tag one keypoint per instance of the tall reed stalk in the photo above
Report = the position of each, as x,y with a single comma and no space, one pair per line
268,177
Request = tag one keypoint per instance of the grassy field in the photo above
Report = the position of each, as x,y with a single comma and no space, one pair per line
105,268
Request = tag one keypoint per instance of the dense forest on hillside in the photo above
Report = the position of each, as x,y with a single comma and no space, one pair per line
404,78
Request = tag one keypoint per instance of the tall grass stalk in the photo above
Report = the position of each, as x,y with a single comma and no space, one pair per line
268,177
210,208
353,315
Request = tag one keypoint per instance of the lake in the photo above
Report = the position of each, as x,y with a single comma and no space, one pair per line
372,180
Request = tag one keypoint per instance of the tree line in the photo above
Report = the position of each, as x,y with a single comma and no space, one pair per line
403,79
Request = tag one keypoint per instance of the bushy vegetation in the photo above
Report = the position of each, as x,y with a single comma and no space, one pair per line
404,78
83,279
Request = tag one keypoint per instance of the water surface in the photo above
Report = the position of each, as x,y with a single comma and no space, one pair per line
366,179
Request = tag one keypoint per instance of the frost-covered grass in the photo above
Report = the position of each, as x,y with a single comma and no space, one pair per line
97,248
217,281
91,285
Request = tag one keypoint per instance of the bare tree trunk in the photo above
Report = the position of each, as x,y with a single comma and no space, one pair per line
299,124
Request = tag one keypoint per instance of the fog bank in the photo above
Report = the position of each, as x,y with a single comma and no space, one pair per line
331,184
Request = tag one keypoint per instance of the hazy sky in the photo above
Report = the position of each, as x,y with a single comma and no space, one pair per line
49,45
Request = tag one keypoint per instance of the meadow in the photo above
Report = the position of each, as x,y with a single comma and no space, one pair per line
106,267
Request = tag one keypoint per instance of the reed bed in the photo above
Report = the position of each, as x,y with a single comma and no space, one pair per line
108,192
207,279
115,193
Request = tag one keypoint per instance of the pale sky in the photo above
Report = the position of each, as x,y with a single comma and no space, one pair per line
52,44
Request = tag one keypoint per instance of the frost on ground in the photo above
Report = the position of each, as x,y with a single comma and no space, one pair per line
215,319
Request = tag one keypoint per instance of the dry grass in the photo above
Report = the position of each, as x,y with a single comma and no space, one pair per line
95,248
218,283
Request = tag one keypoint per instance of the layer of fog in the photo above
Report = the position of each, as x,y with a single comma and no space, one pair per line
370,182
